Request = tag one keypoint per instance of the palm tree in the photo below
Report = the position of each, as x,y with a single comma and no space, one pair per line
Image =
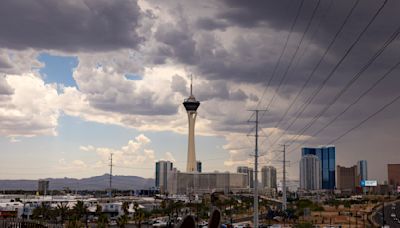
74,224
99,210
62,211
80,210
122,221
42,212
125,208
102,221
138,217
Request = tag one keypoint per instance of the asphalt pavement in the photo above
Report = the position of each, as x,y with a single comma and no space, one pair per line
391,214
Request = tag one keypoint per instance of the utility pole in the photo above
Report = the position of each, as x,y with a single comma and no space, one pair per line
255,222
356,219
284,206
111,165
383,213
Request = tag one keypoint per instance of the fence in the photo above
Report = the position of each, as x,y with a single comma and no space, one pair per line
23,223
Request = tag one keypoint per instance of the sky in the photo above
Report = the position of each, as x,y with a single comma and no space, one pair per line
81,79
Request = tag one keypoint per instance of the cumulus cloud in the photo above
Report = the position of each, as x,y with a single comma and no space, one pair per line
231,47
134,153
137,152
19,61
37,115
108,89
78,25
5,88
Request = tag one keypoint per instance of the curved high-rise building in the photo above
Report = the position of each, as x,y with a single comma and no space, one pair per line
268,177
191,105
310,172
327,158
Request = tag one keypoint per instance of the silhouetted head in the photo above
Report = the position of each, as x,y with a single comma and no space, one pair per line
187,222
215,219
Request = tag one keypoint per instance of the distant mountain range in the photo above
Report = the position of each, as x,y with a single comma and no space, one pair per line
91,183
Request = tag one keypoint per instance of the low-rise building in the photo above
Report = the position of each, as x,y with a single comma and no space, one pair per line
347,178
200,183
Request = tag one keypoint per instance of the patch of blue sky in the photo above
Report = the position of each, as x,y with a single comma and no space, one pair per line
208,149
74,132
58,69
134,77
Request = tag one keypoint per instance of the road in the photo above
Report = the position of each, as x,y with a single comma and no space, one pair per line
389,220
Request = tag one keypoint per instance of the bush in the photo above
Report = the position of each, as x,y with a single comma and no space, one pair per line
304,225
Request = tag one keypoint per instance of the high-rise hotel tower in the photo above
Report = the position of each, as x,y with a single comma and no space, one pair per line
191,105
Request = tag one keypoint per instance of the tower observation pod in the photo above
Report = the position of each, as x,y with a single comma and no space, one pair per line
191,105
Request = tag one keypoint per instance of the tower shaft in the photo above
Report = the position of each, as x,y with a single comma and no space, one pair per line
191,105
191,156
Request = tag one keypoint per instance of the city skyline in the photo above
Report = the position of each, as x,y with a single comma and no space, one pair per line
77,85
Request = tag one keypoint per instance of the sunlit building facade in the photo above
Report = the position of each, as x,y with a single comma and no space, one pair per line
327,157
162,170
268,177
310,173
250,174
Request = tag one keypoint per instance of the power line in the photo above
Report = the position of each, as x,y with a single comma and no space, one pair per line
292,59
318,64
294,55
314,94
282,52
376,83
384,107
366,119
351,82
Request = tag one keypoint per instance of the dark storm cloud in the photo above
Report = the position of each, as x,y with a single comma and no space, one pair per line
258,30
218,90
254,52
241,41
4,63
211,24
178,84
5,88
144,104
87,25
177,40
139,107
255,13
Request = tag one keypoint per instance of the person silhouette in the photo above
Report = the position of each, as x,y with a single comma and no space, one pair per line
189,222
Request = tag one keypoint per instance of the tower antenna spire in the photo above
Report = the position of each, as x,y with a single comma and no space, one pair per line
191,84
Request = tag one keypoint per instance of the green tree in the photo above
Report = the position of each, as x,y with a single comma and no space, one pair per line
99,210
304,225
42,212
74,224
122,221
125,208
62,211
80,211
102,221
138,217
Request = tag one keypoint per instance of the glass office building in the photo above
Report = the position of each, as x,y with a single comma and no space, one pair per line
162,170
362,170
327,158
198,166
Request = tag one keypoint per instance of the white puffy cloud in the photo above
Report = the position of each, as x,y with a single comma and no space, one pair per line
38,115
136,152
131,158
19,62
140,83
